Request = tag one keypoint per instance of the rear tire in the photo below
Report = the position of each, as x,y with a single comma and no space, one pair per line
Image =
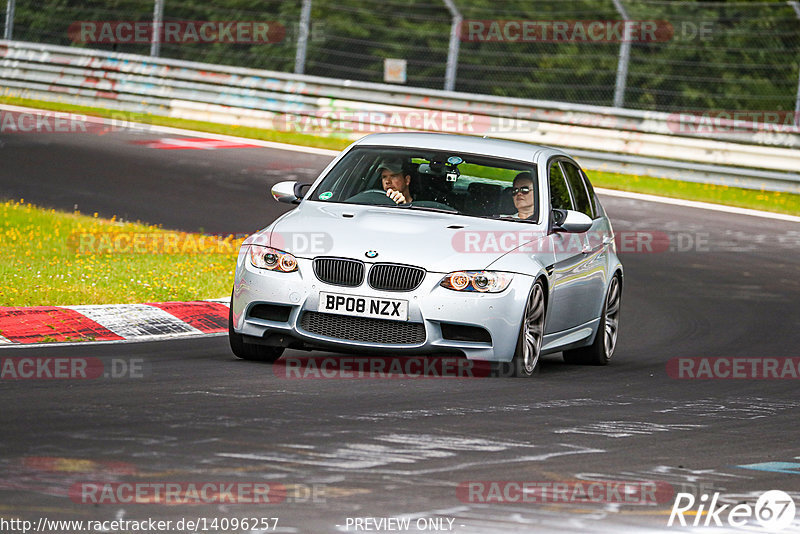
248,351
525,362
605,339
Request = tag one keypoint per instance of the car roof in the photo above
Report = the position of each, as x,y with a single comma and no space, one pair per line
465,144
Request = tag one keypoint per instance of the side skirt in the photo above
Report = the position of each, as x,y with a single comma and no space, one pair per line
579,336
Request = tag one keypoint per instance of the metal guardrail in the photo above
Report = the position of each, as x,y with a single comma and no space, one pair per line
614,139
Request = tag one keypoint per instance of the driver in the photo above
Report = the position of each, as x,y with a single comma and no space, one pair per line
523,195
396,180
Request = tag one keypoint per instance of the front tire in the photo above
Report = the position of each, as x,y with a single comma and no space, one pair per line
525,362
247,351
605,339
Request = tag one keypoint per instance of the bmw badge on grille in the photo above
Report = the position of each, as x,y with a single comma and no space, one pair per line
371,254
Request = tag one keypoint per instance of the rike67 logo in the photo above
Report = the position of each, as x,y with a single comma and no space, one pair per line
773,511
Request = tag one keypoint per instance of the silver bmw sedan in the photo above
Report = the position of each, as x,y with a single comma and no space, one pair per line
421,243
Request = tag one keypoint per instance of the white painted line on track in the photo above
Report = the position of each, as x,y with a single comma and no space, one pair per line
696,204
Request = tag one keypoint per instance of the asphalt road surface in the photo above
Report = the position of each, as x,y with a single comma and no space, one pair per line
371,449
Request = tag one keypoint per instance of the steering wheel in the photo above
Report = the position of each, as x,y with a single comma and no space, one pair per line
372,196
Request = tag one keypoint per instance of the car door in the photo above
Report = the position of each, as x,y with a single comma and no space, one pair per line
571,277
598,239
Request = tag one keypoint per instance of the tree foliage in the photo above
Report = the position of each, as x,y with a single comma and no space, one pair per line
721,55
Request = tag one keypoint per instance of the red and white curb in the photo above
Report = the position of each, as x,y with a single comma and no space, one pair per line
112,322
170,143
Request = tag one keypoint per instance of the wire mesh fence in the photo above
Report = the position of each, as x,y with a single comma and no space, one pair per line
681,55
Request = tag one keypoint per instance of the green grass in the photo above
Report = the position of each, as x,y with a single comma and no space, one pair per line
53,258
731,196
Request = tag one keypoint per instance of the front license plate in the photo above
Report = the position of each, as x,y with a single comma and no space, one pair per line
363,306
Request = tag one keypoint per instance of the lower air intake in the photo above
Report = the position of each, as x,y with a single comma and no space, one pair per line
363,329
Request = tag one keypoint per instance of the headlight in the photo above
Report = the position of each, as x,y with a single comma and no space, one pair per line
480,281
272,259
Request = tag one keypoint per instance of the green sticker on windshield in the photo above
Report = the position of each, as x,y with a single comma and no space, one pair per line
326,195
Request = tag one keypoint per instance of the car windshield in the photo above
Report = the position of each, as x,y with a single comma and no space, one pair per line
450,182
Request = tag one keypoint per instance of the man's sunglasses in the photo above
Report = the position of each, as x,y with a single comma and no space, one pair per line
523,190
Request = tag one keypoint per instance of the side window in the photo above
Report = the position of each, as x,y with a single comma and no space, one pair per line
598,209
559,194
582,202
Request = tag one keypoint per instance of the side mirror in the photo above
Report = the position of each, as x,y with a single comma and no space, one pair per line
289,192
573,222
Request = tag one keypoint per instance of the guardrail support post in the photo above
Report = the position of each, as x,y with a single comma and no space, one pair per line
158,20
797,100
9,30
624,58
302,38
796,8
452,47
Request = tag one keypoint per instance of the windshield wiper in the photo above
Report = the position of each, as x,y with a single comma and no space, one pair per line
506,218
425,208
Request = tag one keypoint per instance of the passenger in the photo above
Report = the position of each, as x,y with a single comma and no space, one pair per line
523,195
396,180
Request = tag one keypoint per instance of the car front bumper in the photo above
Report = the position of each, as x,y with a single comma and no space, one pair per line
430,305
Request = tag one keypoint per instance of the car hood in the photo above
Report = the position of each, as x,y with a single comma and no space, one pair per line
438,242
